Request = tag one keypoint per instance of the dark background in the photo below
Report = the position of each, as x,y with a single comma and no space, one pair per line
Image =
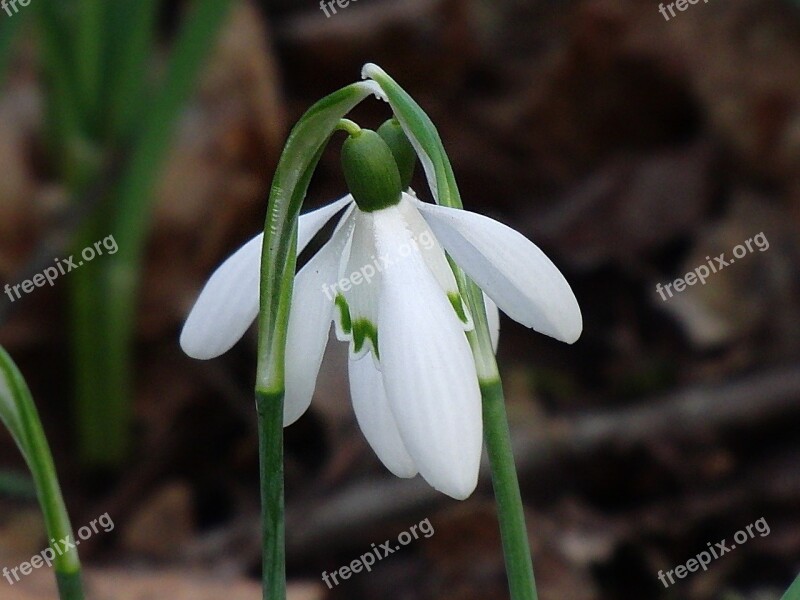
628,147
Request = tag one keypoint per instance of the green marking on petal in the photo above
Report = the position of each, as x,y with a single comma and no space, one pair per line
364,329
344,313
458,306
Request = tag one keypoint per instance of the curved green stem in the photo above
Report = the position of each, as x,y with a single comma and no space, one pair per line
348,126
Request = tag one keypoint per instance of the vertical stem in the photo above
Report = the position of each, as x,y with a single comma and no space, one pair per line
516,548
270,446
70,586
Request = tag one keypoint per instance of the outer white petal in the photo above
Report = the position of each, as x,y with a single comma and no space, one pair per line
375,417
515,273
493,320
428,369
227,305
310,223
434,255
310,318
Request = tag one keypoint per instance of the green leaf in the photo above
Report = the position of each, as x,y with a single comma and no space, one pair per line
12,394
793,593
107,333
18,413
89,55
130,45
63,108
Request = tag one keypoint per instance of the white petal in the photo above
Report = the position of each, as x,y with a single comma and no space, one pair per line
493,320
434,256
428,369
518,276
310,321
375,417
227,305
310,223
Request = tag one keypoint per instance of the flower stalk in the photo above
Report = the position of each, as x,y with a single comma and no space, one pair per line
511,515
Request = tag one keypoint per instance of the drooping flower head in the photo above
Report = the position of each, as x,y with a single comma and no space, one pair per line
385,281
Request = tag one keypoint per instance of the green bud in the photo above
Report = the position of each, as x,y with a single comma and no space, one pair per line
370,171
402,150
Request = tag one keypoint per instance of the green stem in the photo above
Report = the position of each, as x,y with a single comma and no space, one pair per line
349,127
510,512
70,586
270,444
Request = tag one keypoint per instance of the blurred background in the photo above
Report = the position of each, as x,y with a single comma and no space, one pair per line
630,147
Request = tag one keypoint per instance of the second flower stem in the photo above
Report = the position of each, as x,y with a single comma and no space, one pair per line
510,511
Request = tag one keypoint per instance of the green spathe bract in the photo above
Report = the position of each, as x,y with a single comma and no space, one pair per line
370,171
18,413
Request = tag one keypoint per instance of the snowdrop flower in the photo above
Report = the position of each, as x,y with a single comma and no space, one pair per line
384,280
